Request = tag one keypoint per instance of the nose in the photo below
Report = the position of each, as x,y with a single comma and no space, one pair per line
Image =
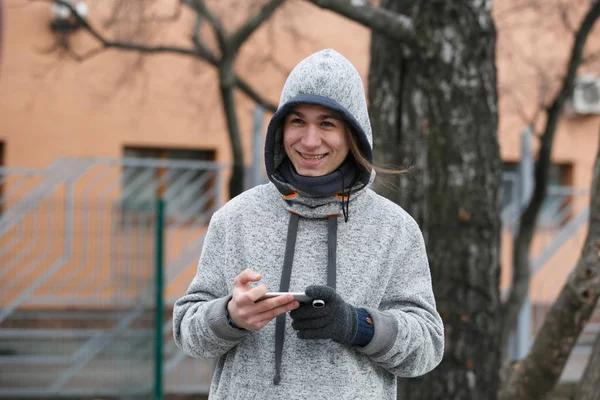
311,138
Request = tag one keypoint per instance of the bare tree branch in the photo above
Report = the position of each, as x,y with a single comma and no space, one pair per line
232,43
590,58
201,8
563,10
229,46
534,376
393,25
269,59
200,52
148,49
114,14
255,96
120,7
547,14
521,272
82,22
518,105
544,85
514,9
253,23
86,56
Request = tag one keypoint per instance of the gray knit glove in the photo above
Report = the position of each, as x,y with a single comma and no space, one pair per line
337,320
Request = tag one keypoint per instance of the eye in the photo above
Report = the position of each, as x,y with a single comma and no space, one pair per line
296,120
328,124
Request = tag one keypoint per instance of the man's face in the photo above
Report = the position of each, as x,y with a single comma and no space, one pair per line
315,140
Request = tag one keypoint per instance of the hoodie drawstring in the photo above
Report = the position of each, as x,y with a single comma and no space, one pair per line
346,199
284,286
331,250
286,274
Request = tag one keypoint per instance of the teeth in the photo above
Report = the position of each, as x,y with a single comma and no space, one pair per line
312,157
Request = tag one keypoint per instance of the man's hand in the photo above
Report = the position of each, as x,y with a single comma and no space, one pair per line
337,320
251,315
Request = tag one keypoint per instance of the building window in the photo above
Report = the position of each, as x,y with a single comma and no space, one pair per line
150,173
556,209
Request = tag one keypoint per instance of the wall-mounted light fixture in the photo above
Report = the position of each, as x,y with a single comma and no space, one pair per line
63,19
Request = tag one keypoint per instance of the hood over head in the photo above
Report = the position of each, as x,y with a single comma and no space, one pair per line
326,79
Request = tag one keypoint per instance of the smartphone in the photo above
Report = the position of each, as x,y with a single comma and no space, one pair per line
301,297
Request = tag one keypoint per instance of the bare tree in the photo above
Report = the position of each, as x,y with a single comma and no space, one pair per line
535,375
552,112
228,44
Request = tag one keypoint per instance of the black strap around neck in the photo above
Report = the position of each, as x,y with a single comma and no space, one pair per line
284,286
331,250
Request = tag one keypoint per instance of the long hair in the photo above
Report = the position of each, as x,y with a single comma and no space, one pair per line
362,160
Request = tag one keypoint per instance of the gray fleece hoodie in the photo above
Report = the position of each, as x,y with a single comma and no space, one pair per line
381,266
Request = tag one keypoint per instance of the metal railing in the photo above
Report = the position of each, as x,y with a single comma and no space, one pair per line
77,251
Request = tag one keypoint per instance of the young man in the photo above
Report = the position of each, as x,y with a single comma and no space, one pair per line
315,228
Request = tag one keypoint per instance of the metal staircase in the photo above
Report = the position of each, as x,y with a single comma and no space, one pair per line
77,303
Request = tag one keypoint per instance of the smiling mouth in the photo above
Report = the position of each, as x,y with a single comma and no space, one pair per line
309,157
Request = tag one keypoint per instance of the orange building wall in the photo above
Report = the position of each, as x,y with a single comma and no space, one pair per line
53,106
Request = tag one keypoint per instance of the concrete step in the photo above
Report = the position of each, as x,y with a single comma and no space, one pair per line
32,360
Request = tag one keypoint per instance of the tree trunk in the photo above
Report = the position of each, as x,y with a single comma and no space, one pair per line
394,147
227,85
527,222
438,108
589,386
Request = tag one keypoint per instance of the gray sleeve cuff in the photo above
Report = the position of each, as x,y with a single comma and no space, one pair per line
216,317
384,336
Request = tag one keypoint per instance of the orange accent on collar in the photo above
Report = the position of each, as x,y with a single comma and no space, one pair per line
339,196
333,215
294,212
290,196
